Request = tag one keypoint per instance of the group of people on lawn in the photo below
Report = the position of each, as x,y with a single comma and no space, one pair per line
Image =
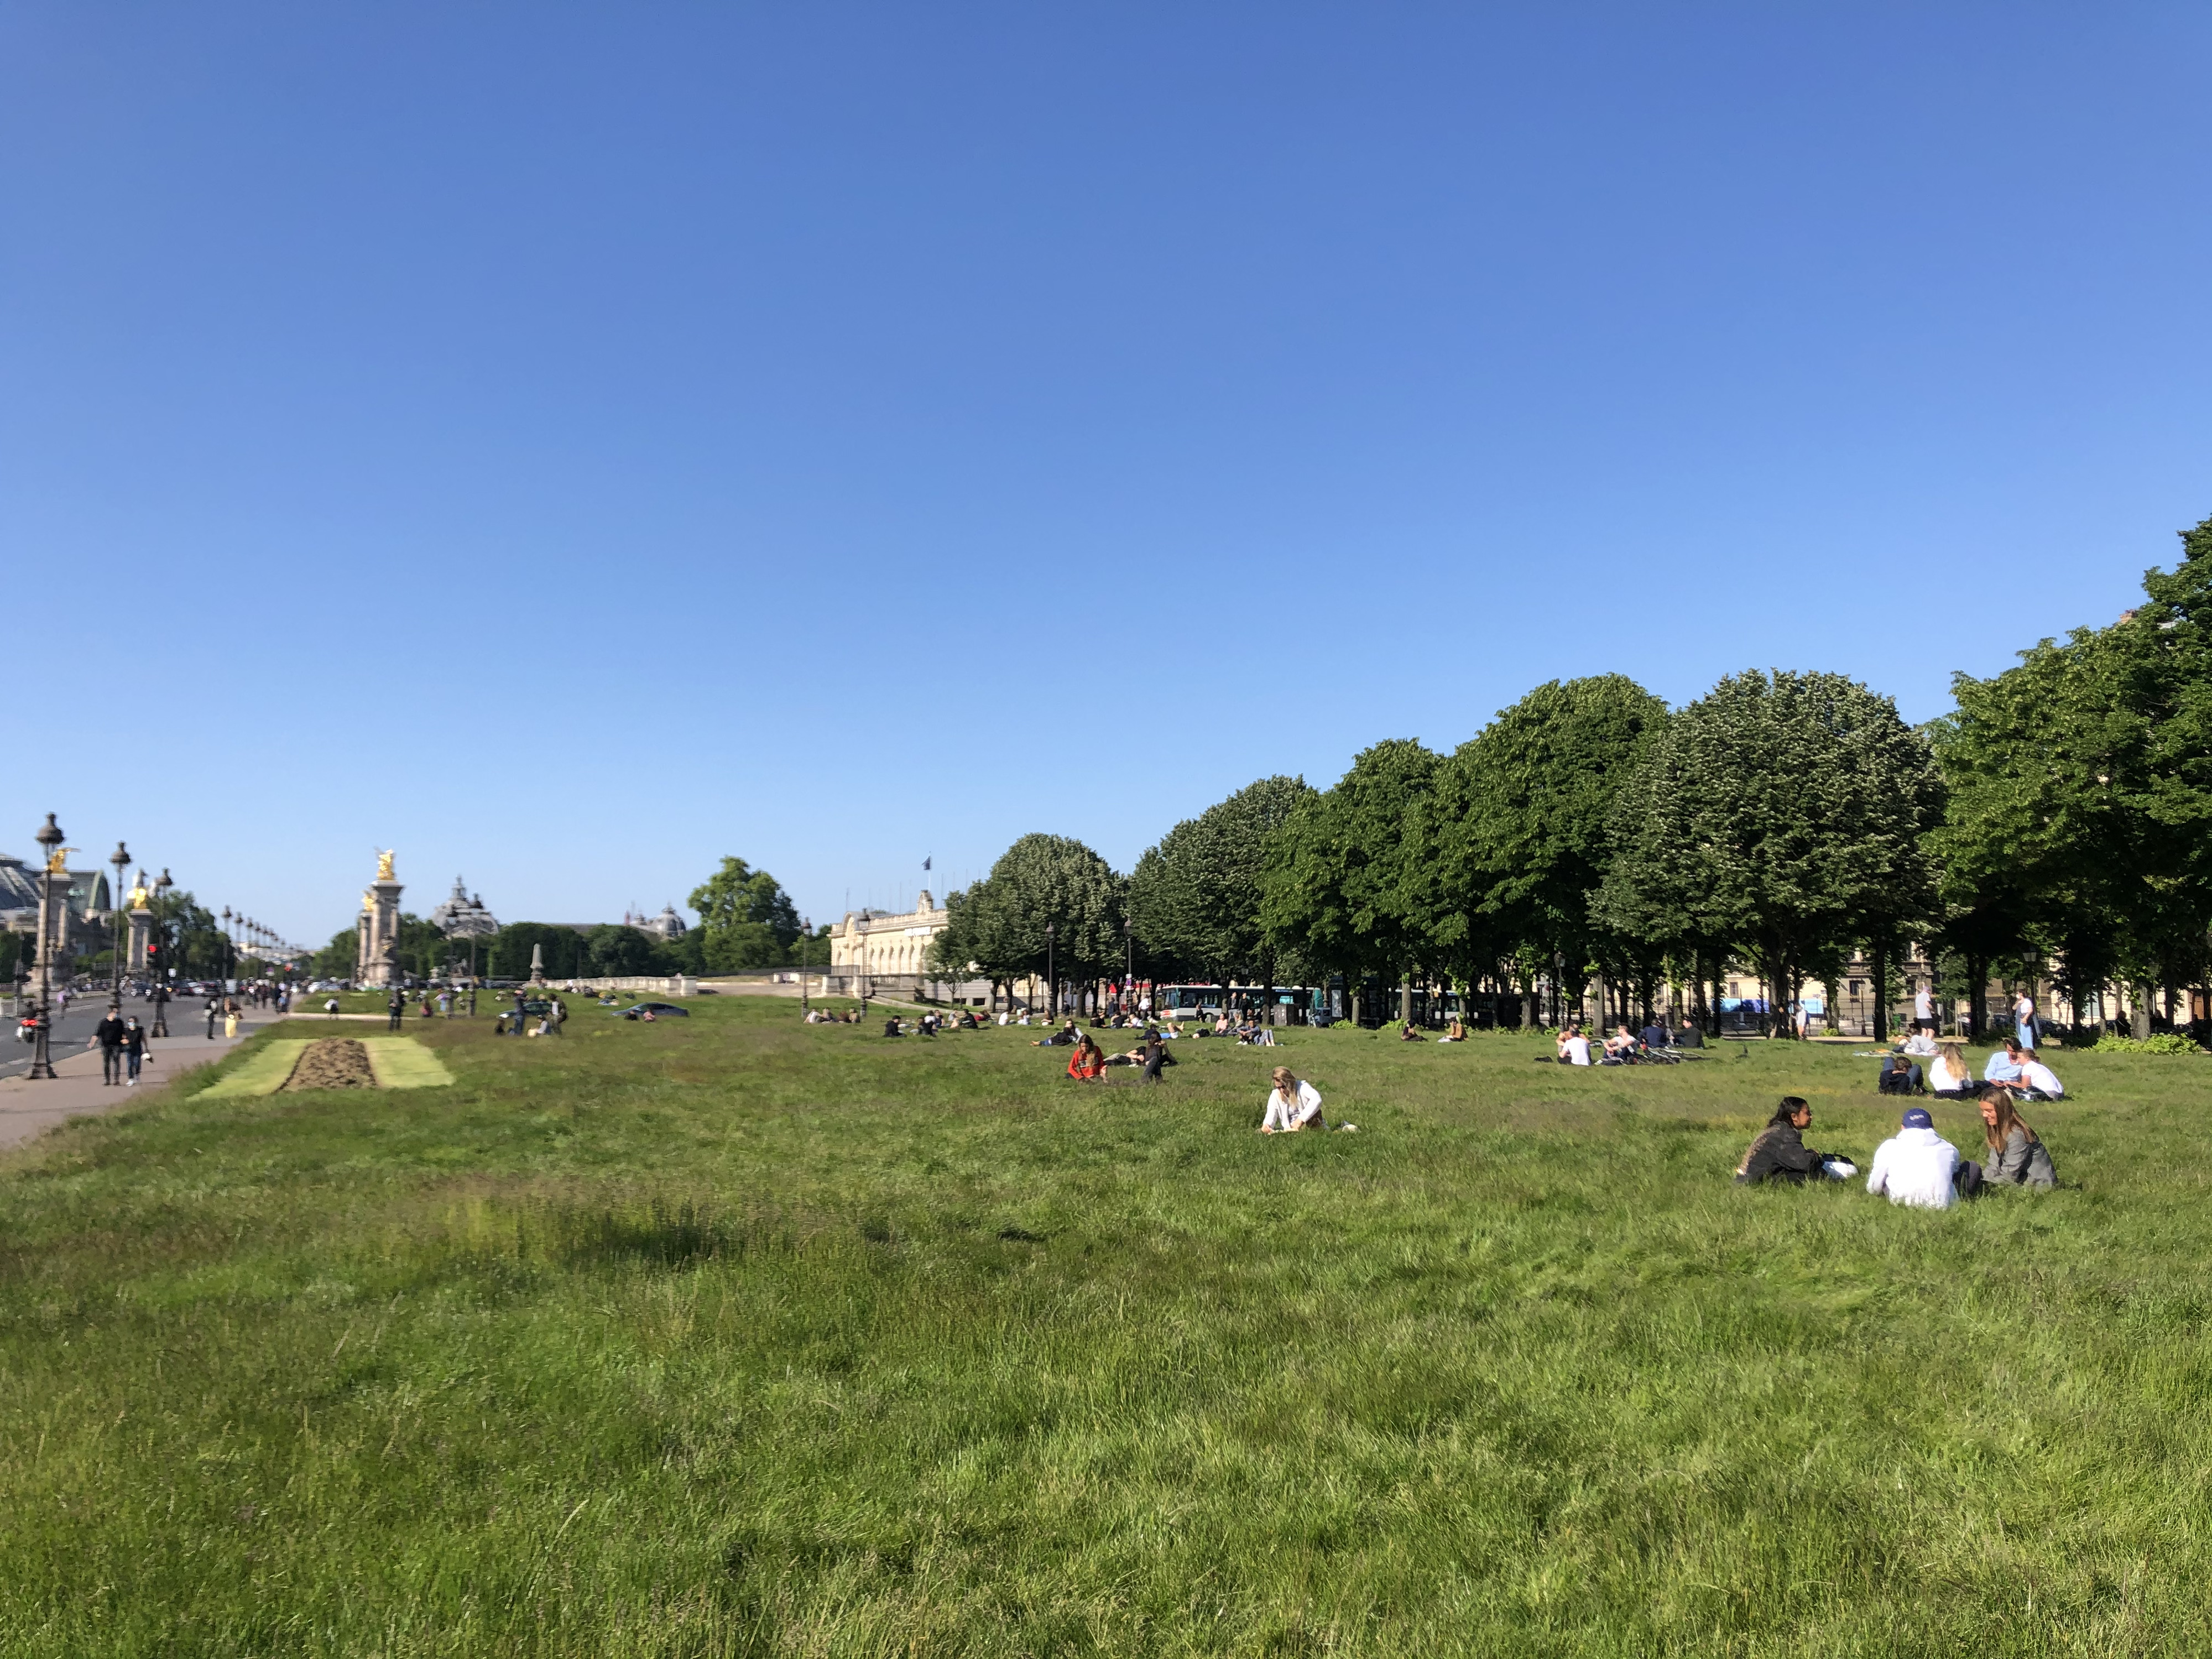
1916,1166
1625,1046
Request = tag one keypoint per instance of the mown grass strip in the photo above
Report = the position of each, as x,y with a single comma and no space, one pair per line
401,1062
263,1072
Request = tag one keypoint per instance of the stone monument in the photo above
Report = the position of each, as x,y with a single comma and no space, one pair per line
377,963
141,925
537,964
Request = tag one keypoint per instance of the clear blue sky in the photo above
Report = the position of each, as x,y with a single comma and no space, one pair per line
569,443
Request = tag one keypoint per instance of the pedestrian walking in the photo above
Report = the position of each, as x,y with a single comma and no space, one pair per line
134,1048
214,1012
230,1019
108,1035
396,1009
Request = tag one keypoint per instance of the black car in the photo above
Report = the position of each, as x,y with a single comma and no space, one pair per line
658,1010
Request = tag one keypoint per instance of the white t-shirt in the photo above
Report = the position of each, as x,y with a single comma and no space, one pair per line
2034,1074
1924,1006
1577,1050
1943,1075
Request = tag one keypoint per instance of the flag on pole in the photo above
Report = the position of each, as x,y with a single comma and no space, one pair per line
925,863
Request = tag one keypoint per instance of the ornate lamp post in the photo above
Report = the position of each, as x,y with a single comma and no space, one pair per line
119,858
1051,981
161,886
805,933
1129,969
50,839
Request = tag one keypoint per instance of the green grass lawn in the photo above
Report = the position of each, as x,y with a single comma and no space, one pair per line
732,1336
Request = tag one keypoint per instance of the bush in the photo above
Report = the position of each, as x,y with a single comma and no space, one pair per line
2160,1042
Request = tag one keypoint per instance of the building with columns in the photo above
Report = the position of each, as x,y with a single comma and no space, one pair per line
890,953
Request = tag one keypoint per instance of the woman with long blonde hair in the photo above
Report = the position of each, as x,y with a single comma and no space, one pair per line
1292,1105
1948,1079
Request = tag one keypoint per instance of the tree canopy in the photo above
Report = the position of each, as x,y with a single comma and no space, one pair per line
1777,815
1194,899
1340,883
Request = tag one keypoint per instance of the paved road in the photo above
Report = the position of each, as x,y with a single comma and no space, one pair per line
72,1031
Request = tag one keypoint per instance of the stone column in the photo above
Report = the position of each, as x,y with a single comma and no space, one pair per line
384,933
142,932
360,949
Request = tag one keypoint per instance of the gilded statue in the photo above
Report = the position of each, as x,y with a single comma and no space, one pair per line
138,893
58,863
384,866
368,902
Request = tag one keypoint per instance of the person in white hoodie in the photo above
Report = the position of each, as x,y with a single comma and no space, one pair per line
1919,1167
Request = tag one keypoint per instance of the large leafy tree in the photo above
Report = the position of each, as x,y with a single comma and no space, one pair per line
2080,819
745,918
1339,887
1040,881
1196,897
1518,828
1783,812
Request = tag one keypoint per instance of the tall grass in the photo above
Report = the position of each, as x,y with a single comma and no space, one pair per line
734,1336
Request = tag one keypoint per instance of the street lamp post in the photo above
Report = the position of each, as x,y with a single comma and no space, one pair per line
119,858
1051,980
805,933
1129,968
161,886
50,839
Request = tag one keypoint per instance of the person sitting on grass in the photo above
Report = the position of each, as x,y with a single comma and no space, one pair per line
1292,1105
1948,1076
1156,1056
1778,1151
1456,1032
1654,1033
2017,1156
1408,1034
1574,1047
1620,1048
2037,1080
1689,1034
2004,1065
1918,1167
1088,1063
891,1027
1900,1076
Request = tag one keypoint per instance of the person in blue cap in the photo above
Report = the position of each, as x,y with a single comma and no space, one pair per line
1918,1167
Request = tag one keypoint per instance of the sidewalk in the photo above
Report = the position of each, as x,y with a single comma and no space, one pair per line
29,1109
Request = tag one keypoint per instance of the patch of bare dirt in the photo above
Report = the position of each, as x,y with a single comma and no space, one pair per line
332,1063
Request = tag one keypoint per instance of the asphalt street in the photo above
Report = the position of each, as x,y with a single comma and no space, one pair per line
73,1030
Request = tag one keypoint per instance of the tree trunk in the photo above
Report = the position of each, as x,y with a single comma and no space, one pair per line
2139,1009
1977,987
1405,997
1878,960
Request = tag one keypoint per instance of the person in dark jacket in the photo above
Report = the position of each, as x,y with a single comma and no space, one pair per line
108,1034
2018,1157
1778,1153
1156,1056
134,1048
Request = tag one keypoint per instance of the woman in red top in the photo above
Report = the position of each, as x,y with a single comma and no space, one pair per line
1088,1062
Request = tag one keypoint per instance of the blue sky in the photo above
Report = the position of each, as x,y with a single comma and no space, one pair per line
571,443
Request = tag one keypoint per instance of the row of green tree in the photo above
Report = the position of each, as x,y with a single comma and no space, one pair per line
746,922
1785,822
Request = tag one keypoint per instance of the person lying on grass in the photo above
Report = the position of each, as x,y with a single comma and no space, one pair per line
1778,1151
2017,1157
1292,1105
1088,1062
